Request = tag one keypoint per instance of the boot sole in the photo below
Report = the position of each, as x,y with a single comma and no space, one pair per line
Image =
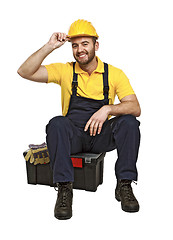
130,210
63,217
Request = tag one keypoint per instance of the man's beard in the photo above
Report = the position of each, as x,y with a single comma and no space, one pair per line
90,55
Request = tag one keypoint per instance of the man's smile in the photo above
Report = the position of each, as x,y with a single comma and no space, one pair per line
81,55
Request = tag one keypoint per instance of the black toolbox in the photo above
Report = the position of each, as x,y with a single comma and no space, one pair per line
88,171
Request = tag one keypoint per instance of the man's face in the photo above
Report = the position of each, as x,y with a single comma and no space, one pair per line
84,49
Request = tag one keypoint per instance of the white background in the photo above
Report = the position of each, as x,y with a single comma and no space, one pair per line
135,36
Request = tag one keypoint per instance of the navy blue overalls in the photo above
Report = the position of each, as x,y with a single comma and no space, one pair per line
66,136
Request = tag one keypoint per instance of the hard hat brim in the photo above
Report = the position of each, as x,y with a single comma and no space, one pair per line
82,35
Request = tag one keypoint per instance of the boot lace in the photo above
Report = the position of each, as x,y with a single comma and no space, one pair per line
63,195
128,193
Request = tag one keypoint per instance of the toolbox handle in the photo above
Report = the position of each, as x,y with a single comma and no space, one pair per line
87,159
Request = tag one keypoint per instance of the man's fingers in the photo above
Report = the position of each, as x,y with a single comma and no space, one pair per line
87,125
61,36
93,128
58,39
100,127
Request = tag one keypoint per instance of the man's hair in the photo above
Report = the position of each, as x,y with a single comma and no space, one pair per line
94,40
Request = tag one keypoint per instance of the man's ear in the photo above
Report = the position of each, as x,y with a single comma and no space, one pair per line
96,46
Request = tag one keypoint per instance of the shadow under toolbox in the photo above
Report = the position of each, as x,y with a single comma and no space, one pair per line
88,171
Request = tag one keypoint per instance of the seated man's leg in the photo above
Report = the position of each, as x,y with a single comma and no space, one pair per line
122,133
127,138
63,139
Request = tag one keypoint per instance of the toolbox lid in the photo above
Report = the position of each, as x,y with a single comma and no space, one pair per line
87,156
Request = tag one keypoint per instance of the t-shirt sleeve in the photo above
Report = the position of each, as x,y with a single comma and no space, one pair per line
123,88
55,72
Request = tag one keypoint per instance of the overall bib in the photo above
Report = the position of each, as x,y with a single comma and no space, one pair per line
66,136
81,108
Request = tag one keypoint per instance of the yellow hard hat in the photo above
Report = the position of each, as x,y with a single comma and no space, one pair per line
82,28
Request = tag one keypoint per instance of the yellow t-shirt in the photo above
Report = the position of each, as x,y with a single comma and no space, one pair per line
88,86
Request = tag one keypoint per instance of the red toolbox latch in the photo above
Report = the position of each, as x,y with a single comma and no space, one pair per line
77,162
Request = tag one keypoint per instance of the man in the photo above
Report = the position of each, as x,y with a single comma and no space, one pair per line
88,89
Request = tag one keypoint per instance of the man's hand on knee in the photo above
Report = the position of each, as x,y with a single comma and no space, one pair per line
96,121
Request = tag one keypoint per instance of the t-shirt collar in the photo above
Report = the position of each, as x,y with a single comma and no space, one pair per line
99,69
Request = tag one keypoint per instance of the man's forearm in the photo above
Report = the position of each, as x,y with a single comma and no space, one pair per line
124,108
32,64
32,69
96,121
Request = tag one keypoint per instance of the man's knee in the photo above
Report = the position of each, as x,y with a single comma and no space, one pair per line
129,121
125,122
57,123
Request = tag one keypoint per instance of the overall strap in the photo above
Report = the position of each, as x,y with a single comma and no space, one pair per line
105,81
75,82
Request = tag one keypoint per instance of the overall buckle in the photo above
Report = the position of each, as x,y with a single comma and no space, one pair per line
75,84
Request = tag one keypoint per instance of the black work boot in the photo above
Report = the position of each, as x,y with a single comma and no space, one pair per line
124,193
63,206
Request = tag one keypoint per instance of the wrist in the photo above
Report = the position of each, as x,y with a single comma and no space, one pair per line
111,109
48,47
108,109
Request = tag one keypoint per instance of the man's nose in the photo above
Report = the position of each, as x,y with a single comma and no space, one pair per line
80,48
